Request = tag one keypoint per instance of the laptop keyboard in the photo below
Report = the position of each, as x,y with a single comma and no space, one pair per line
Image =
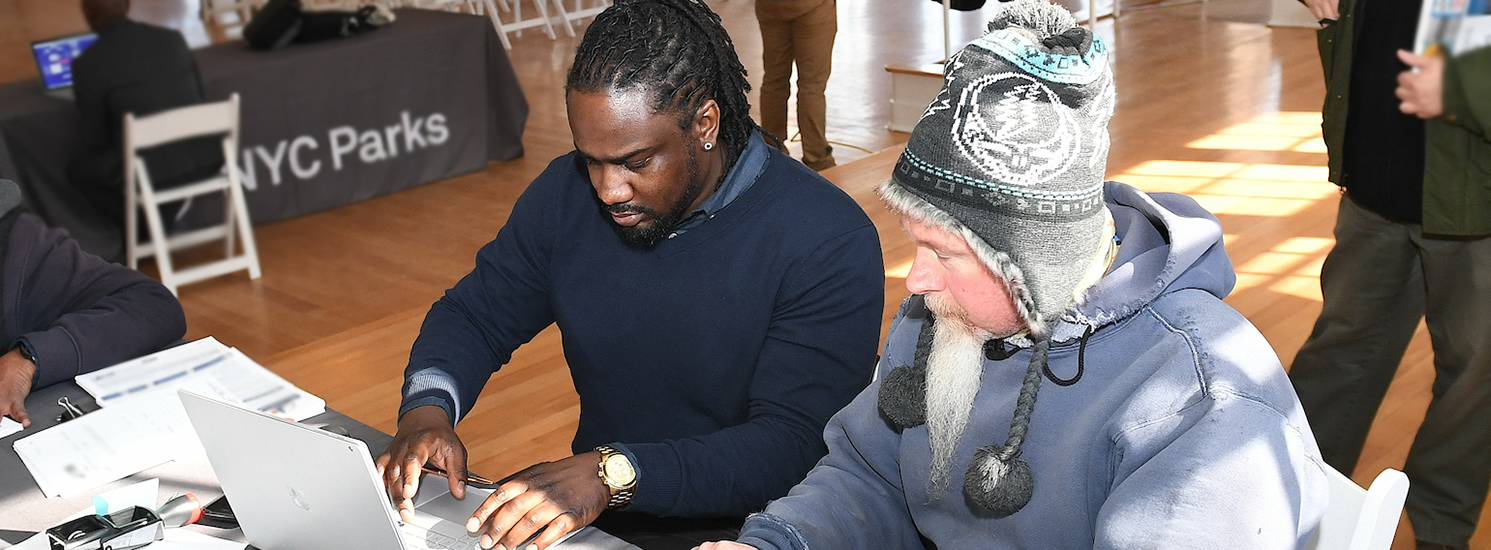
419,538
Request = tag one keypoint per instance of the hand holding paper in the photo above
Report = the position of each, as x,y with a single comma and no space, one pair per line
1323,9
1422,86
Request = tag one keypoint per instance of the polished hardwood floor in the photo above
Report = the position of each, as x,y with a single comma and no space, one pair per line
1211,103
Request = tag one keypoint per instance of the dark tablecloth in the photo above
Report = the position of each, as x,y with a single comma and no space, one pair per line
322,125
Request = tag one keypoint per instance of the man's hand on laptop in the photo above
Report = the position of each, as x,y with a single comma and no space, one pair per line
560,496
425,435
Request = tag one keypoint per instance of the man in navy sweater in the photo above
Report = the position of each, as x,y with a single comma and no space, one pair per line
718,301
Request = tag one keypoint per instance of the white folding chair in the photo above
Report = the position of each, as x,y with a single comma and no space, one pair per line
1357,519
139,194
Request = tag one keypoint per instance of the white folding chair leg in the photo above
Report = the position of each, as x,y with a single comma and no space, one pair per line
157,229
569,30
228,214
497,23
131,205
543,13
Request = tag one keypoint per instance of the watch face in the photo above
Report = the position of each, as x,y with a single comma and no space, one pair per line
619,470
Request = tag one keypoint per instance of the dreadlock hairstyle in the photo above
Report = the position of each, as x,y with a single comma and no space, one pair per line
679,52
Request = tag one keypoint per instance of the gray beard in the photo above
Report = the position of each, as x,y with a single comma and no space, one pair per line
955,367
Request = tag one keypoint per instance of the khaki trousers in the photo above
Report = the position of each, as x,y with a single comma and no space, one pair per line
800,32
1378,281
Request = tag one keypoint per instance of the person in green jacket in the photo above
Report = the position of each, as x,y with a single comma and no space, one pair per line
1407,142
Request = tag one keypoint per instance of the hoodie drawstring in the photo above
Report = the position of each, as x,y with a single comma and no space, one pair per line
1081,362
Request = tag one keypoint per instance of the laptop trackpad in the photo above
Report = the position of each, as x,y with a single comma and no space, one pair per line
434,499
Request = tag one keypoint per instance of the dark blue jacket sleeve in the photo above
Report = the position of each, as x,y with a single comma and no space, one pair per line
819,353
503,303
78,312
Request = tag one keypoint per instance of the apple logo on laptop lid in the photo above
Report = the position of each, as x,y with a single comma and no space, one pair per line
298,498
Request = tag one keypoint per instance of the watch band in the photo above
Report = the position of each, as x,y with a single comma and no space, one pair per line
26,350
620,496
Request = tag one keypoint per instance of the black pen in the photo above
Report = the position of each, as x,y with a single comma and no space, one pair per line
471,478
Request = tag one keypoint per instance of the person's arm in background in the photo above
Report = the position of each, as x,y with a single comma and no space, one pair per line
76,312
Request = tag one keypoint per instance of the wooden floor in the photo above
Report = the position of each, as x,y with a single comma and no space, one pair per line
1211,103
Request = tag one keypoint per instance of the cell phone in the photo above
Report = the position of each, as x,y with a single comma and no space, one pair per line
219,514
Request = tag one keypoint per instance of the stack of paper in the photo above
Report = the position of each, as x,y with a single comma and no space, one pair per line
142,423
207,361
1453,26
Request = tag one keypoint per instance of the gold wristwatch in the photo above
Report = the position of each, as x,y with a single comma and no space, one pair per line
618,474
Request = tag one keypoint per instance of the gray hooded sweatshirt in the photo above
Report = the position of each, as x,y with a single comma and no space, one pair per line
1182,432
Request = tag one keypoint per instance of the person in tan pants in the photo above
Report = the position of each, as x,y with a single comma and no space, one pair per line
801,32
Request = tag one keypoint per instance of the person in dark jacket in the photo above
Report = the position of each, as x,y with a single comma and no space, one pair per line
64,312
141,69
1407,142
718,302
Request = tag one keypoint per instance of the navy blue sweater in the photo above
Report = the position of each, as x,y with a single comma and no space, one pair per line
713,360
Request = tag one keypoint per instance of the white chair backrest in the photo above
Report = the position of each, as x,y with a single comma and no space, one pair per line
1358,519
185,122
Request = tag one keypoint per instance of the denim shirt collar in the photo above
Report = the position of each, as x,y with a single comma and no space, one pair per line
747,169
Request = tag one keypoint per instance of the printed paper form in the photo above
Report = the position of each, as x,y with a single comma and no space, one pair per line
100,447
243,379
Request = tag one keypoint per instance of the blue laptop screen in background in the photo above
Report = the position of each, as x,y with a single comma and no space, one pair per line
54,58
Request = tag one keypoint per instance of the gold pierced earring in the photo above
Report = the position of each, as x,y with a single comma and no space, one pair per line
708,146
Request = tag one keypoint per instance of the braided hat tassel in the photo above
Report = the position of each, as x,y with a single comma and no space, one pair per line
997,480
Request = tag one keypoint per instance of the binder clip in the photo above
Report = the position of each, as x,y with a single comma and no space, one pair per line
69,410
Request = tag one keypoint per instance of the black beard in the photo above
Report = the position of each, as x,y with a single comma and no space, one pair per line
662,224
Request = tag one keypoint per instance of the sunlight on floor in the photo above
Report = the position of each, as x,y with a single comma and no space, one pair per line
1283,131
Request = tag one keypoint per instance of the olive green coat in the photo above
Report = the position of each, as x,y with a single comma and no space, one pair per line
1457,152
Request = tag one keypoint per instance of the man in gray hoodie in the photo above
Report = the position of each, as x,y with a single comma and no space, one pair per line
1168,421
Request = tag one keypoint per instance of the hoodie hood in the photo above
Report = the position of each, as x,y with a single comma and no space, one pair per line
1169,243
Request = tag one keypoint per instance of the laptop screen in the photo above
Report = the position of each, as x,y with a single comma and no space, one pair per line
54,58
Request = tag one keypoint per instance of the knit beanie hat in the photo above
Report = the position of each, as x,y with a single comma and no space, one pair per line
1011,156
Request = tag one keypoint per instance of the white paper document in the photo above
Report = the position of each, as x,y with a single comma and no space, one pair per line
225,369
141,423
109,444
8,426
1453,26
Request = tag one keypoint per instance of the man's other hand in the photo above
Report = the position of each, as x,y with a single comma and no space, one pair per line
724,545
425,435
1422,87
16,373
562,496
1323,9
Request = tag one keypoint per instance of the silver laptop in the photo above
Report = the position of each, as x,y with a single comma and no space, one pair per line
54,61
294,486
